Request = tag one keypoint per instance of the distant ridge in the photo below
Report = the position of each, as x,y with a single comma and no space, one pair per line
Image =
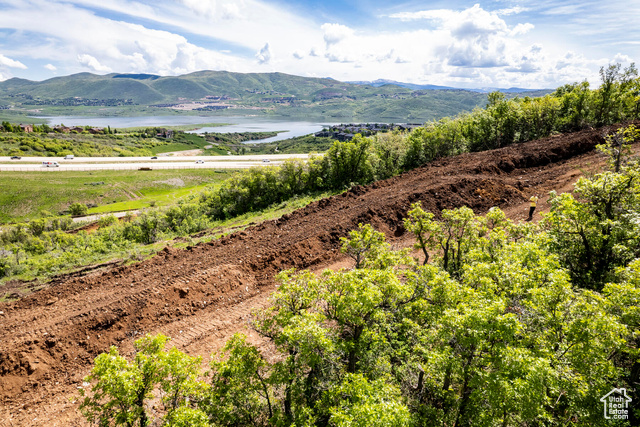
228,93
413,86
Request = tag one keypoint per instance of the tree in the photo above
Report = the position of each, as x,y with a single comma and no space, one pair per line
348,163
363,243
422,225
78,209
358,402
617,148
388,151
596,231
240,393
121,389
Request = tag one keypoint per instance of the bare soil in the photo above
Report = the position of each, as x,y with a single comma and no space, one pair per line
200,296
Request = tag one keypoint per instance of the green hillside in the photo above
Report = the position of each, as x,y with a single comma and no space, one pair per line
226,93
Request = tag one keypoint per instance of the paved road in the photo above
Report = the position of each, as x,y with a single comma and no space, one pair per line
133,163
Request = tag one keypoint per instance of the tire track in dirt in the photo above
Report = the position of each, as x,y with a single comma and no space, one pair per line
49,339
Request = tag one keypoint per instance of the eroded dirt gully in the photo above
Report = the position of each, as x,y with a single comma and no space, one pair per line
202,295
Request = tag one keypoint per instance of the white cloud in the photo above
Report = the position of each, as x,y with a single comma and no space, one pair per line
441,46
216,9
93,63
512,10
103,45
571,9
5,64
521,29
335,33
50,67
11,63
424,14
264,55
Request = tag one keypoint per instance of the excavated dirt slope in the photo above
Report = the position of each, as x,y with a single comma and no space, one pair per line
202,295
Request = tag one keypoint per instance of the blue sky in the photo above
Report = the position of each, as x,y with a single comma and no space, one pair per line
497,43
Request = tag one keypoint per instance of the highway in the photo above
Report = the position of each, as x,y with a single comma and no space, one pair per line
134,163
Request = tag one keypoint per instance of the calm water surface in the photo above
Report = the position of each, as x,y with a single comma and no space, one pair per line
286,128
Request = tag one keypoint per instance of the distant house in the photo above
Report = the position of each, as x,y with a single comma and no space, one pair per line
165,133
62,129
77,129
96,130
26,128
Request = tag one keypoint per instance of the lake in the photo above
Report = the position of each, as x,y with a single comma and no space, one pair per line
287,128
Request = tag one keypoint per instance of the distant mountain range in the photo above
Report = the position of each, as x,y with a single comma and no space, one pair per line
227,93
413,86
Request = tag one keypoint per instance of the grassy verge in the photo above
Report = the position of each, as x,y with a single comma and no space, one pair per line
24,196
133,252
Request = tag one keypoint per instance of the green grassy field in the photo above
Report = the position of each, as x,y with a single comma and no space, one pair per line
136,252
24,196
140,143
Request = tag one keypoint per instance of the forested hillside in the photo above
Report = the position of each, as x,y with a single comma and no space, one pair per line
226,93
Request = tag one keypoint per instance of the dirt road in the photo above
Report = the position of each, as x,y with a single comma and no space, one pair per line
202,295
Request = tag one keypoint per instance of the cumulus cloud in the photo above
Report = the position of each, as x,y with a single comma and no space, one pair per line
521,29
474,37
441,46
93,63
338,57
475,22
530,61
50,67
264,55
5,64
335,33
102,45
11,63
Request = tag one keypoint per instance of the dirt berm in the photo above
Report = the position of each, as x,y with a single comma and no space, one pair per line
201,295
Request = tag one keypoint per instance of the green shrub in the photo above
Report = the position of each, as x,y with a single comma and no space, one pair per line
78,209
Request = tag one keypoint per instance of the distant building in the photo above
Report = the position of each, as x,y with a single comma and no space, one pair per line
96,130
62,129
26,128
165,133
